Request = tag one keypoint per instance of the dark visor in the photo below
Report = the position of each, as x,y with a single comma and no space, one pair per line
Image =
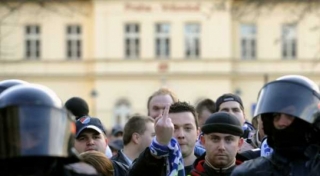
288,98
34,131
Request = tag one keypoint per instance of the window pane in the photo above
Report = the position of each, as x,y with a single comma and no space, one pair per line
192,40
37,29
69,48
32,41
37,49
78,30
132,40
294,49
284,50
197,48
248,41
74,42
28,30
158,47
289,40
253,49
79,48
243,48
162,40
167,46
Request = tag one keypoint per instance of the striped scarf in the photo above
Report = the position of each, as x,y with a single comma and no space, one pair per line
173,156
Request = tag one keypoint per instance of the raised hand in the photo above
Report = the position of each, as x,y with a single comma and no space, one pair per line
164,127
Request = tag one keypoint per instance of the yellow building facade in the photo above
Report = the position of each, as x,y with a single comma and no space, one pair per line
115,54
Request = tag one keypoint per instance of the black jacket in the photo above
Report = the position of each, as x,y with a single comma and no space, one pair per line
251,154
147,165
120,158
45,166
120,169
200,168
277,165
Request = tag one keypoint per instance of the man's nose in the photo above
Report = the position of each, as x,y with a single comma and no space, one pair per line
221,145
180,133
284,120
90,141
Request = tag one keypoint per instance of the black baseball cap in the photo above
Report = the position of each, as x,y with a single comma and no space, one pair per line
228,97
87,122
222,122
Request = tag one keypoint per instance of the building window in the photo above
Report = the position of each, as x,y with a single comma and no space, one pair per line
248,41
32,49
162,40
74,42
132,40
122,111
192,40
289,42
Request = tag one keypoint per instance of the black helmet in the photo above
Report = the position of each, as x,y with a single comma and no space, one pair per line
34,123
5,84
294,95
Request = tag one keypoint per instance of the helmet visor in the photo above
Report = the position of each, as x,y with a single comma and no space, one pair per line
288,98
34,131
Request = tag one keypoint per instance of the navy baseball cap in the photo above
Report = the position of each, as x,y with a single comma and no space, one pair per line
228,97
116,129
87,122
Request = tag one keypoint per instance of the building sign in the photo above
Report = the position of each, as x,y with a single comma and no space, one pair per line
165,7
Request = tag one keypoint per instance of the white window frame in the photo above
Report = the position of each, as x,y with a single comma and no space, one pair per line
192,40
163,36
133,37
33,42
289,41
74,50
248,32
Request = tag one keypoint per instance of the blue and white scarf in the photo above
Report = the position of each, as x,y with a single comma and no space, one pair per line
173,155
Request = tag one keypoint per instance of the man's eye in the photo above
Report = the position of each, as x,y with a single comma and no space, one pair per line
228,139
97,137
214,139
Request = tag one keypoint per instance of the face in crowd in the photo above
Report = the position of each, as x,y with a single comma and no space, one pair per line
282,121
145,139
234,108
221,148
158,103
185,131
90,139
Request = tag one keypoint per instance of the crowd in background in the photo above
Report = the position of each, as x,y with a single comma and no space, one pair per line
172,138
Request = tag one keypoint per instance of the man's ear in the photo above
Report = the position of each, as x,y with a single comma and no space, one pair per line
135,138
198,131
107,141
244,116
240,143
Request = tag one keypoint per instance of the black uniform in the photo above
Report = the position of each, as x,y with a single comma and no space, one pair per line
36,134
296,147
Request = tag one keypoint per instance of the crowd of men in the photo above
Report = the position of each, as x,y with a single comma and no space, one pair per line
41,135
